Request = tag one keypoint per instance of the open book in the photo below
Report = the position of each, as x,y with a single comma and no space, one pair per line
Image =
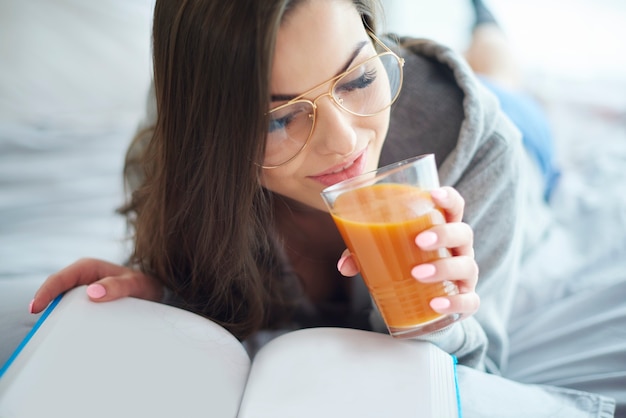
134,358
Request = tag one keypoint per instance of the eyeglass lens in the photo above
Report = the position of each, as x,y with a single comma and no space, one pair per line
364,90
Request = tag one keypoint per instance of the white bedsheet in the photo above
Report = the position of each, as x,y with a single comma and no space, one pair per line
73,80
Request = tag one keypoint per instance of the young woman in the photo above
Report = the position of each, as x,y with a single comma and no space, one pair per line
261,105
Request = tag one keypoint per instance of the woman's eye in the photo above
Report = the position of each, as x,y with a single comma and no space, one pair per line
361,82
290,117
279,123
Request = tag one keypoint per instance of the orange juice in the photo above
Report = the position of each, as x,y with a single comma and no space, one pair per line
381,238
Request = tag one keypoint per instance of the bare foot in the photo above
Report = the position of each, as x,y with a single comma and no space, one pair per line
489,54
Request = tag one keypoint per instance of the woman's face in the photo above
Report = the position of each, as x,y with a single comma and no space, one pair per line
319,40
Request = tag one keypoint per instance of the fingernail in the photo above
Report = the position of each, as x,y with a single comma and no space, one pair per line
423,271
440,304
340,263
96,291
30,306
439,193
426,239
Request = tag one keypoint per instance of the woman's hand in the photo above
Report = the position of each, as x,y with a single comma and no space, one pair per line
460,268
106,282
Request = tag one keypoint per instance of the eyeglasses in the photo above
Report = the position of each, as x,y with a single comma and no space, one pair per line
366,89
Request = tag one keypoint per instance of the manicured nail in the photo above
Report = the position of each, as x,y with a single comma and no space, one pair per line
423,271
426,239
96,291
440,304
30,306
439,194
341,262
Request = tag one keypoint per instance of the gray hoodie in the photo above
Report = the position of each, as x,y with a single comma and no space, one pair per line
443,109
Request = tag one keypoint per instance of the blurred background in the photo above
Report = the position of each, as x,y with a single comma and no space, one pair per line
572,54
578,38
73,80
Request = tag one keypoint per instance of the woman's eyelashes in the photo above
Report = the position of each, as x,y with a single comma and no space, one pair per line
365,80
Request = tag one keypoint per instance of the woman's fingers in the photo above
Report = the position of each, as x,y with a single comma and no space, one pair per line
346,265
458,237
81,272
450,201
461,270
465,304
108,281
131,283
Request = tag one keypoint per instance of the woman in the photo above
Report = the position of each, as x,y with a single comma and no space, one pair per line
251,193
227,214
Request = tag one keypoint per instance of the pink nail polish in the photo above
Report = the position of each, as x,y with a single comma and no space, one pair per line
340,263
96,291
30,306
440,304
426,239
423,271
439,193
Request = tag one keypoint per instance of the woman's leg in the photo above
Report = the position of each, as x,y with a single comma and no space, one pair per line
492,59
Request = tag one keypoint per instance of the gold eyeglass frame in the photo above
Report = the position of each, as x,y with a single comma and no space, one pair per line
333,82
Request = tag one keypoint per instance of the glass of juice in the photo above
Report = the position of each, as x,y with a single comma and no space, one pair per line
379,214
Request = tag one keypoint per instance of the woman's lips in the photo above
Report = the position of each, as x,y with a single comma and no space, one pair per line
346,170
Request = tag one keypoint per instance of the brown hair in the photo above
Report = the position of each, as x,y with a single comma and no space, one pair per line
202,221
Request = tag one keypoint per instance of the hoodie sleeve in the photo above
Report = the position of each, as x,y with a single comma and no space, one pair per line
485,169
445,110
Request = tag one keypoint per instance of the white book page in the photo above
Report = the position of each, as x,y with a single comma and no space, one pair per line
127,358
329,372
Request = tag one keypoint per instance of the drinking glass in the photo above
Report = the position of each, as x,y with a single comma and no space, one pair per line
379,214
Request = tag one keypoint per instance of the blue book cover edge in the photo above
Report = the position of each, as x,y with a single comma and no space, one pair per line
30,334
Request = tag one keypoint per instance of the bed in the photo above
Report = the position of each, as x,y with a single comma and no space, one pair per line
73,79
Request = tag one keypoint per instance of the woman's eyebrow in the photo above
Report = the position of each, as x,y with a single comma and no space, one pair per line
355,53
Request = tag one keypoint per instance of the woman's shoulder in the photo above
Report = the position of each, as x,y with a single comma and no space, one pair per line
432,66
428,115
423,49
444,109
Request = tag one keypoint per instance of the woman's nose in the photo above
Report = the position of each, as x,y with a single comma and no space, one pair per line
334,131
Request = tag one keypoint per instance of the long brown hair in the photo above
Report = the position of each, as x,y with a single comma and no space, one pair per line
202,221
